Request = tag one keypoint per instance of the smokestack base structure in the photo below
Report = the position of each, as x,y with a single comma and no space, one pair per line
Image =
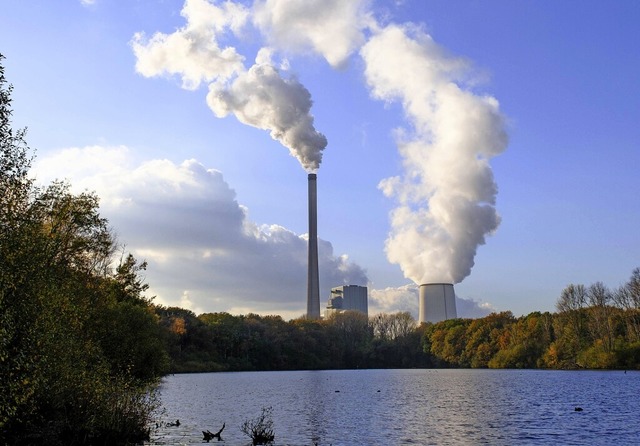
313,282
437,302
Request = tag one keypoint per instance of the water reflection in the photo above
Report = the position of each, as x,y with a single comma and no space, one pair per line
313,401
395,407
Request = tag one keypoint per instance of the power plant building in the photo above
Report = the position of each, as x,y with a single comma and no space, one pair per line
348,298
437,302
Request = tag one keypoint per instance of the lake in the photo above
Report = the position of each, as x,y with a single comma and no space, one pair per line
407,407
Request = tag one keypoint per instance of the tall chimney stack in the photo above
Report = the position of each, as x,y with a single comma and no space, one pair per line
313,285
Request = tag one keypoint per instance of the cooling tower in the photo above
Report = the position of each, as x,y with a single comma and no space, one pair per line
437,302
313,285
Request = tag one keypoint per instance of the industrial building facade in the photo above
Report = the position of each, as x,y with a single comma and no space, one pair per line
348,297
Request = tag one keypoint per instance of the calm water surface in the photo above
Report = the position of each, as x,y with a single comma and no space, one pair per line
404,407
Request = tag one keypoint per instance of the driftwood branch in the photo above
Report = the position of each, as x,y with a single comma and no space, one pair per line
208,435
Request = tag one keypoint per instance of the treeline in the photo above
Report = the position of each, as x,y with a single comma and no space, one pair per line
80,345
593,328
223,342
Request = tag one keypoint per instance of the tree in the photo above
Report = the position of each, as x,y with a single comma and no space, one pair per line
627,297
573,298
527,342
392,326
447,341
129,285
601,311
381,325
76,238
64,379
352,334
16,389
482,338
570,305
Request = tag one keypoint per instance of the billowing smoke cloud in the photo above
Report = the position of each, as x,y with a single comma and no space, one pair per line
204,252
447,192
194,52
263,99
333,28
260,97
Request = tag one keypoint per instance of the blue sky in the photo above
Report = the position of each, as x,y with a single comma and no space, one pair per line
218,208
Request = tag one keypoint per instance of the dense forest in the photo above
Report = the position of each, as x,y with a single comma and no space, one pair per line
82,348
594,328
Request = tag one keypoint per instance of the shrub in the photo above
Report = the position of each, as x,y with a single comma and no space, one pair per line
260,429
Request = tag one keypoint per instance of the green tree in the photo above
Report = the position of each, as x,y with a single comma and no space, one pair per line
447,340
528,339
17,367
483,336
59,378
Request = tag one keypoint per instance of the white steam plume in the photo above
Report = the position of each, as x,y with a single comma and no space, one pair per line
259,97
263,99
193,52
447,192
332,28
